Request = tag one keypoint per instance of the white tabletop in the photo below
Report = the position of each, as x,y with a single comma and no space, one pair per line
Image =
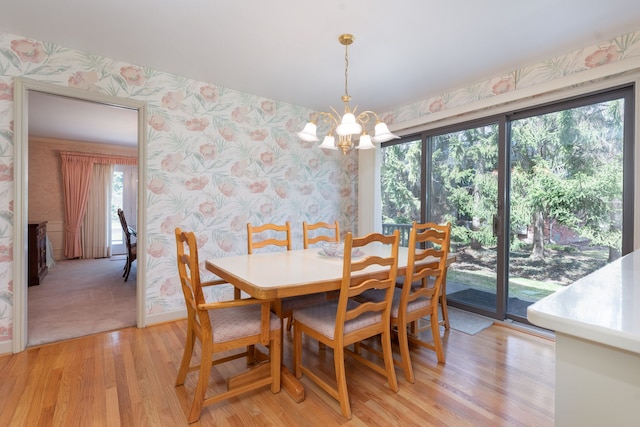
289,273
603,307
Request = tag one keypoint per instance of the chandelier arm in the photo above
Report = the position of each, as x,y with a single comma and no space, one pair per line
329,118
369,112
335,115
365,116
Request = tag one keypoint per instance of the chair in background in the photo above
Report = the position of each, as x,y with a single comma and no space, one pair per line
132,248
284,307
222,327
421,292
418,298
317,233
328,233
344,321
273,229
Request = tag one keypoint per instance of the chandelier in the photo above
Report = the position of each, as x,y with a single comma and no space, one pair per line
348,126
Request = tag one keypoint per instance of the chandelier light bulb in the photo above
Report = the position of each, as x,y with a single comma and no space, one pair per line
329,142
365,142
382,133
308,134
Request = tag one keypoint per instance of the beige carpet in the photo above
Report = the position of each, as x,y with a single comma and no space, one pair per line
81,297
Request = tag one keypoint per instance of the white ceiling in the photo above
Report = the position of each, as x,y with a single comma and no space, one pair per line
54,116
405,51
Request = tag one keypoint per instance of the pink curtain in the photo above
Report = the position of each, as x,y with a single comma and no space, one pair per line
77,169
76,178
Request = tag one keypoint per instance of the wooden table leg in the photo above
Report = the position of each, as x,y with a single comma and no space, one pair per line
288,381
443,303
291,385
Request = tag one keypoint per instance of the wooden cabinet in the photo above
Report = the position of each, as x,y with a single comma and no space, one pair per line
37,252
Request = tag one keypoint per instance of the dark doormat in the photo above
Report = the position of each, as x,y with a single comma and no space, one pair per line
488,300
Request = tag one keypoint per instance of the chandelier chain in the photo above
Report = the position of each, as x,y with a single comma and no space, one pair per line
346,69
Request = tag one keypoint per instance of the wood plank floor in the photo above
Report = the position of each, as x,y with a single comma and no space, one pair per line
498,377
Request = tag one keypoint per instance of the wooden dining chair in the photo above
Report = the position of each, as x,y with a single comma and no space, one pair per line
428,249
223,327
342,322
421,292
132,248
284,307
319,232
276,235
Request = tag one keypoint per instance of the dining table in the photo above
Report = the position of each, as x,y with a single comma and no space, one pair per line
282,274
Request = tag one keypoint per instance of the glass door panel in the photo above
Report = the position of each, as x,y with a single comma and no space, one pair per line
401,181
565,197
464,192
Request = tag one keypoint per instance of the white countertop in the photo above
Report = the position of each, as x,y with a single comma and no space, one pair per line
603,307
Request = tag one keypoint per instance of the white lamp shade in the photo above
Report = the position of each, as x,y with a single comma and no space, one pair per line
348,125
308,134
382,133
365,143
329,142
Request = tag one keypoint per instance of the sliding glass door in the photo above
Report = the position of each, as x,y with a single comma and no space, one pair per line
536,198
464,191
566,194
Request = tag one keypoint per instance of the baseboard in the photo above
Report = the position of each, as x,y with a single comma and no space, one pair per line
528,329
154,319
6,347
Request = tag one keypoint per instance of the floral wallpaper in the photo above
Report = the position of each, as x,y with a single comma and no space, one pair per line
607,52
219,158
216,159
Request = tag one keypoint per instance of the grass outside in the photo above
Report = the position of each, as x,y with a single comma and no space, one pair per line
529,280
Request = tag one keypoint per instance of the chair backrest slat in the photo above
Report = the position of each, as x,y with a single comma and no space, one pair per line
352,287
320,232
269,241
426,241
189,271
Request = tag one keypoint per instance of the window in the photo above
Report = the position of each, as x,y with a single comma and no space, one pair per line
537,198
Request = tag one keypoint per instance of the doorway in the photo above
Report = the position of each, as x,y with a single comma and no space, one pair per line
21,100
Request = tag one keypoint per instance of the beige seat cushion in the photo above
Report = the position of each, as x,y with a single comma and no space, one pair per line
236,322
378,295
322,318
301,301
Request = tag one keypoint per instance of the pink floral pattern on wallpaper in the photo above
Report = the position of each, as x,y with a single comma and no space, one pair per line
504,85
84,80
210,151
158,123
626,46
6,92
28,51
133,75
218,158
602,57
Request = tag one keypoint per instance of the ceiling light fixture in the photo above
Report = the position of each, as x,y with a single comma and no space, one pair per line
349,126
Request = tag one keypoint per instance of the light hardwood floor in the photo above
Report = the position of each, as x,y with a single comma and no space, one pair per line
498,377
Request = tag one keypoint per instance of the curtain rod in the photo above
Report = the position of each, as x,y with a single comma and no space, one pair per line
102,158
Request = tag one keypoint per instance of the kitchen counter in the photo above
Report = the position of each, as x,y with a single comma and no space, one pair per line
597,326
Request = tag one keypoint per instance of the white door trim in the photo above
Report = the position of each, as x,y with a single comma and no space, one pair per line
22,86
